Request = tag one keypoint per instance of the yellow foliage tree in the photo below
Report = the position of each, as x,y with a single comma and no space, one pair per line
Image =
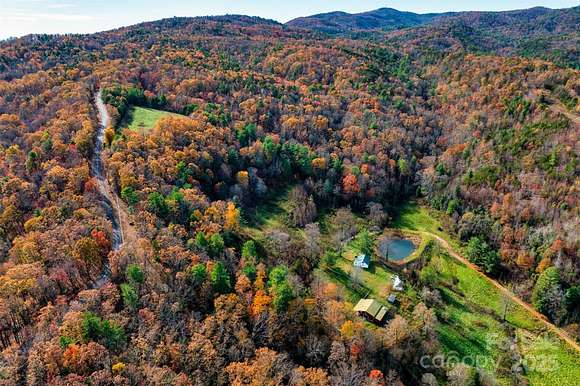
260,304
347,329
118,367
260,282
232,218
109,135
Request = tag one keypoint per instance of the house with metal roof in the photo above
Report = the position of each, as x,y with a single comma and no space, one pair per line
371,310
362,261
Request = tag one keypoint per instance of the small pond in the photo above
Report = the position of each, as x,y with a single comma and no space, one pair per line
396,249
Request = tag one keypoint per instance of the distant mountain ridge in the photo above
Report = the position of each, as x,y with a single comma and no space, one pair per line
389,19
549,34
379,19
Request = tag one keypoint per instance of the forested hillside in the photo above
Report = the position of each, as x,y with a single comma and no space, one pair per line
549,34
214,286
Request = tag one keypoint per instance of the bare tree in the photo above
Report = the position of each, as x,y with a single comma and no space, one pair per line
348,374
376,214
303,208
355,275
461,375
312,240
344,227
316,348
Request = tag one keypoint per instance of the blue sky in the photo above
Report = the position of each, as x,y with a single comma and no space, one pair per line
21,17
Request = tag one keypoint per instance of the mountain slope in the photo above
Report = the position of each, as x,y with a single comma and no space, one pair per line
550,34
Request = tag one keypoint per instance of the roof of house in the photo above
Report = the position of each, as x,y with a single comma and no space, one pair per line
392,298
362,258
371,307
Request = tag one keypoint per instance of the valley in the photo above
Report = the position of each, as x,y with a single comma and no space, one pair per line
351,199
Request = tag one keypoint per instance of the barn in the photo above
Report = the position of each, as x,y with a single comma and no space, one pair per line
371,310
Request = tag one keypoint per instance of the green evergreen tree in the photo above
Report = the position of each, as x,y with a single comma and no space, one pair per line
480,253
279,288
249,271
135,274
94,328
198,273
129,196
277,275
546,288
201,240
220,280
249,252
365,242
156,204
215,245
282,295
129,295
91,328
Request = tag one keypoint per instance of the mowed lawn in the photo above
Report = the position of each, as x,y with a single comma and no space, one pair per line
471,317
373,282
143,119
414,217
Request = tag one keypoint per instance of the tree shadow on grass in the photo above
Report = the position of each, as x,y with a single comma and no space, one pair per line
268,208
258,216
127,118
344,278
400,217
452,302
456,341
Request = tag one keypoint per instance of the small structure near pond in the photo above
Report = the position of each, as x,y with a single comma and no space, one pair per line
371,310
362,261
397,283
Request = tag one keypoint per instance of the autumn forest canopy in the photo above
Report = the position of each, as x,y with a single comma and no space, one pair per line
206,235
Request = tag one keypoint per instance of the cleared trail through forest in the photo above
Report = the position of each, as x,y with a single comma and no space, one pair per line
110,199
558,331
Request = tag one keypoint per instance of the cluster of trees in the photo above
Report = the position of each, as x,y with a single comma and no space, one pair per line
506,176
54,235
192,298
123,98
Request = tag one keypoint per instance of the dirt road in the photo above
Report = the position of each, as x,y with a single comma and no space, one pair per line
116,209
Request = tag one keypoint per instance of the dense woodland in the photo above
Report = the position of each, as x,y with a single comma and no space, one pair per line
352,127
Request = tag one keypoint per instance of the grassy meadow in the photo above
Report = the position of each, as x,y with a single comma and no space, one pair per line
471,316
143,119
